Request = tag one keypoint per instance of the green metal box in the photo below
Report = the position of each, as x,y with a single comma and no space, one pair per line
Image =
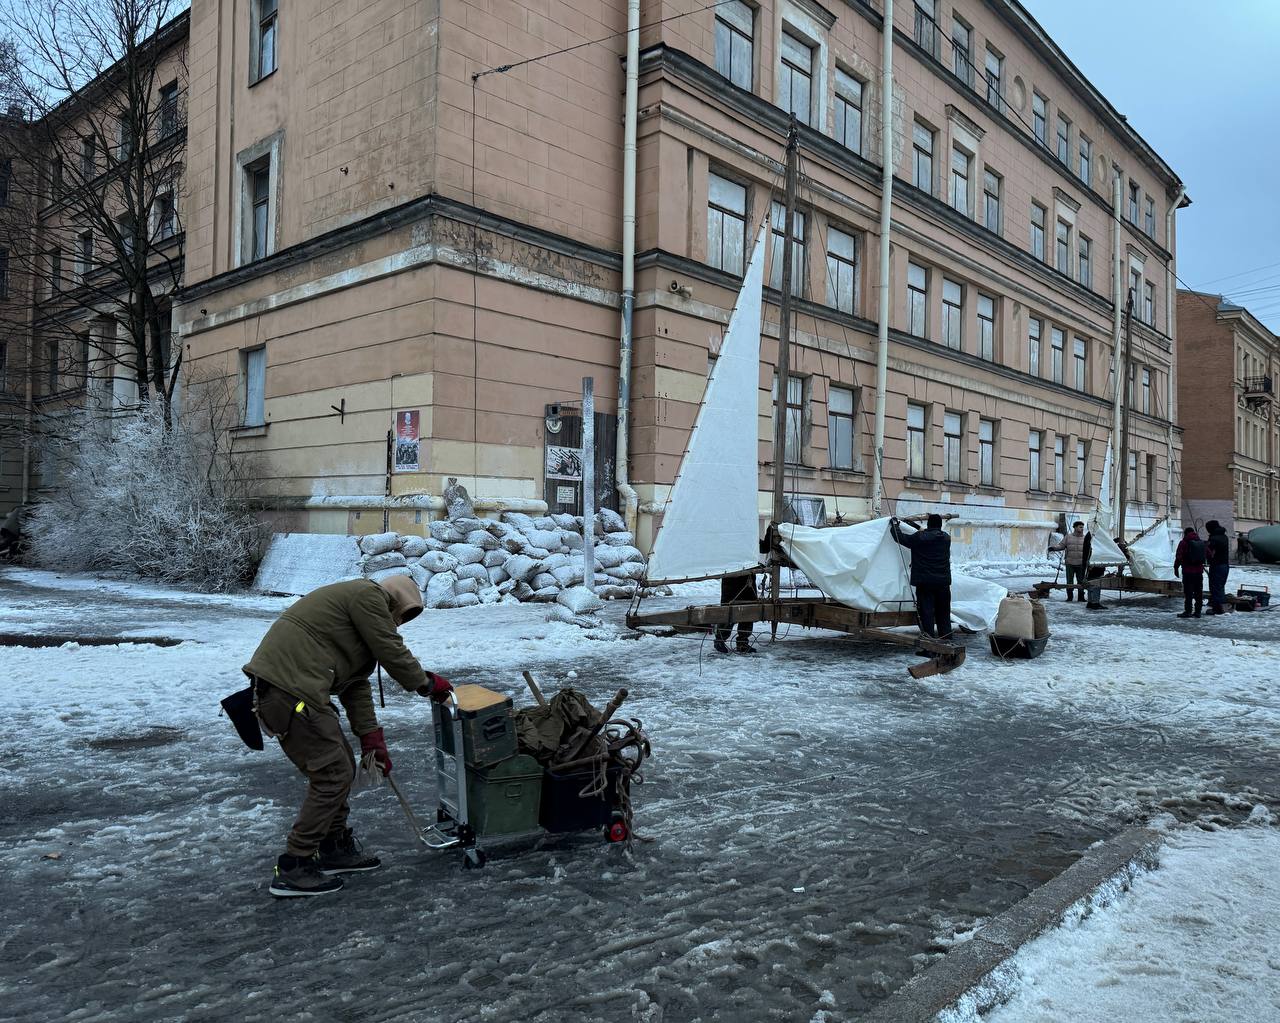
505,798
488,726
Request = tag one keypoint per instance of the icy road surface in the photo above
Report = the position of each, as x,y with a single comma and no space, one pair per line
824,825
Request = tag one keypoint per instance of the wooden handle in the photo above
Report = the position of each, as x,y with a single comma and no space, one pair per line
611,709
533,688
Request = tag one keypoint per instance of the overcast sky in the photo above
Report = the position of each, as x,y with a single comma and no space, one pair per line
1201,83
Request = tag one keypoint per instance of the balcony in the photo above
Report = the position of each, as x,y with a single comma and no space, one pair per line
1258,391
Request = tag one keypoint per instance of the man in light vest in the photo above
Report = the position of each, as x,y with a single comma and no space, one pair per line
1077,547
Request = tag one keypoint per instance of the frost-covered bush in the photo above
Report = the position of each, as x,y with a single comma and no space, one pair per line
152,499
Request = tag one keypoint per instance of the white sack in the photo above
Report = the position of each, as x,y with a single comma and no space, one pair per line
474,571
377,562
379,543
439,591
466,600
414,546
439,561
387,573
466,553
520,567
579,600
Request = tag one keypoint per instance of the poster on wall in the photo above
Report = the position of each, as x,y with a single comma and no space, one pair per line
564,463
407,443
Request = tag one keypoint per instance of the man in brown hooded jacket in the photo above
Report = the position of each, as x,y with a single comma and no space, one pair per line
326,645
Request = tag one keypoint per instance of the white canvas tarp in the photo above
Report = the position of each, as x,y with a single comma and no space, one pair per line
1103,549
711,522
864,567
1152,555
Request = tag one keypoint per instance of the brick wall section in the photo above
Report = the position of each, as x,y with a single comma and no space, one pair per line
1206,398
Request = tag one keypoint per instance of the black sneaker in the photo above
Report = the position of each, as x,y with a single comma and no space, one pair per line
298,876
1185,614
341,853
745,648
721,646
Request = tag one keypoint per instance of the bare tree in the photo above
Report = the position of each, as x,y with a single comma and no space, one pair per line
93,145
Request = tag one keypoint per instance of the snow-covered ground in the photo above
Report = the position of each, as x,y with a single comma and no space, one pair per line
1194,939
823,825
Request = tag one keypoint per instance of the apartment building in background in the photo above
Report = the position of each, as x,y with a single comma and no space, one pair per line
1231,463
404,240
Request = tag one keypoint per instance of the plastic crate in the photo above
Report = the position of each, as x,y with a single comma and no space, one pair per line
563,809
488,726
504,798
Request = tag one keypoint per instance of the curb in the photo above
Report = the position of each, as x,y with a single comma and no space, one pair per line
976,970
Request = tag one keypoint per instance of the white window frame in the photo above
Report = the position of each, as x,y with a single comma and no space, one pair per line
1085,260
1082,467
734,30
917,441
798,396
269,149
994,78
1060,464
1062,246
1062,129
952,314
723,217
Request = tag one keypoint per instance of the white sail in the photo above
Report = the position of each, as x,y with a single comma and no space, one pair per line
1103,549
711,523
1151,555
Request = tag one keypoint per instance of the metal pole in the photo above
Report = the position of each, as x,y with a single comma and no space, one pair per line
588,483
1123,487
1117,319
886,207
784,346
630,501
1171,328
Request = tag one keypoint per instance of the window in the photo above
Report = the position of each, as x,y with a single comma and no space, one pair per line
995,70
1133,477
1146,390
1135,290
726,224
986,453
1062,247
952,447
82,360
1080,364
1040,118
848,111
1086,265
986,327
1038,217
51,366
264,38
840,424
927,26
86,253
1035,445
258,175
991,189
952,314
1151,483
795,78
55,271
1133,203
962,51
124,137
778,228
1149,217
1086,161
915,441
88,158
1057,344
164,216
125,229
1035,330
796,387
1060,465
1064,140
917,300
922,146
6,180
57,184
960,179
1149,302
253,366
735,23
168,110
1082,467
842,270
4,273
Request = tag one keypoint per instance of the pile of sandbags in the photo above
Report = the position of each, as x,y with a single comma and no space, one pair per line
466,560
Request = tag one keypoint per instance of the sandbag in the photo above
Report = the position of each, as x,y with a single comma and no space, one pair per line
439,561
545,595
489,595
387,573
579,600
445,531
420,576
1039,619
616,592
414,546
515,543
466,600
474,571
546,538
483,539
379,543
609,521
542,580
611,557
570,540
564,521
377,562
568,575
1014,619
439,592
457,502
553,562
494,558
466,586
623,539
521,521
507,586
537,552
466,553
545,522
497,575
520,567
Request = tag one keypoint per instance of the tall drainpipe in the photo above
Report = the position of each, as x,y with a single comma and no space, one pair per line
886,207
630,501
1170,317
1117,313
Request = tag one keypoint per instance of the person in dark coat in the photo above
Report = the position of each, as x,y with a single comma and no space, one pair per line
930,573
736,587
1189,562
1219,566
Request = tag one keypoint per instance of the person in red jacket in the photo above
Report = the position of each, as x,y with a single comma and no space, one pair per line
1189,561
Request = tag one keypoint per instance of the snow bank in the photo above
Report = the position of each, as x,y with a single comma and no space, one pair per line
297,563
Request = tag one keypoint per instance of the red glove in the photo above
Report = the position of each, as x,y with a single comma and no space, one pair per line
438,687
376,743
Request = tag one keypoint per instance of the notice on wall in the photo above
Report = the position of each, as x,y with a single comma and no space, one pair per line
564,463
566,495
408,445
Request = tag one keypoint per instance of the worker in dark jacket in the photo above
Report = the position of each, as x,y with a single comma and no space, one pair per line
1077,548
1188,561
1219,566
326,645
930,573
